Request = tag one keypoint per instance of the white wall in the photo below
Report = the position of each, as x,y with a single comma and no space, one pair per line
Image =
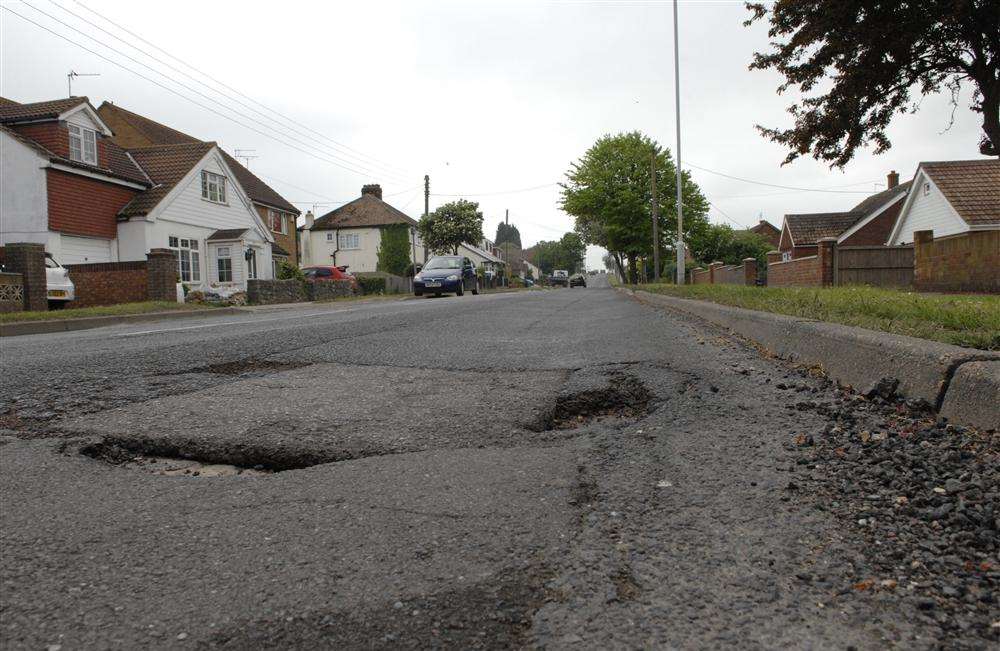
926,213
24,207
319,250
235,254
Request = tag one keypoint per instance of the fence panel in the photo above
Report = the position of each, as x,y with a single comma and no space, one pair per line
878,266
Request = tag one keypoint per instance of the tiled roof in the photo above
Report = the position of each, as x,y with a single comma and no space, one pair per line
227,234
876,201
365,211
972,187
160,134
809,229
764,228
11,111
165,165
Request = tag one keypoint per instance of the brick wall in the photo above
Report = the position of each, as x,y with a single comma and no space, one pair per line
53,135
108,283
79,205
701,276
877,230
28,260
962,263
286,241
803,272
161,277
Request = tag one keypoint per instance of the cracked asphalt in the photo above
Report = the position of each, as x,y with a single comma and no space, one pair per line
448,473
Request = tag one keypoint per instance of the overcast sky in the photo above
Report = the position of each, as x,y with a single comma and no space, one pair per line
486,97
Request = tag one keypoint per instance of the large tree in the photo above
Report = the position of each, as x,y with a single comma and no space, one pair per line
451,224
508,233
608,191
720,243
565,253
860,62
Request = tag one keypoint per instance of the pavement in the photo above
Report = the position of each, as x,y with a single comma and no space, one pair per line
552,469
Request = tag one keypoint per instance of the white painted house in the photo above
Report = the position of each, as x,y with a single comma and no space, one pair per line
950,198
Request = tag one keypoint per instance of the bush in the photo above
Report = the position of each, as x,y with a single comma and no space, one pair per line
289,271
371,285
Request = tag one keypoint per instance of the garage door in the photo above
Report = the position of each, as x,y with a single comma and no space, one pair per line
81,250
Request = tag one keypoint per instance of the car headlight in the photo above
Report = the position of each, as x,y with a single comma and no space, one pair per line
418,277
453,277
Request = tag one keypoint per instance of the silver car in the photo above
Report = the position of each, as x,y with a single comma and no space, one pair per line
59,288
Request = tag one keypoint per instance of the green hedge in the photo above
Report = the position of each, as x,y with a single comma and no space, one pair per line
371,285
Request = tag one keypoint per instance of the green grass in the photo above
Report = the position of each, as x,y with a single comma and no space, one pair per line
104,310
963,319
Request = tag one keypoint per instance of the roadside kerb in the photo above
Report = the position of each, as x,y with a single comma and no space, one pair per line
19,328
933,371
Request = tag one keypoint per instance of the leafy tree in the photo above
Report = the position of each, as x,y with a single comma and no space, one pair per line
394,252
450,225
565,253
508,233
608,192
718,242
875,54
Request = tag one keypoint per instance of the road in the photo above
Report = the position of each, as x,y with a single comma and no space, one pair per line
564,468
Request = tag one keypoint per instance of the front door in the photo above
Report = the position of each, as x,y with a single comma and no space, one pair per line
251,263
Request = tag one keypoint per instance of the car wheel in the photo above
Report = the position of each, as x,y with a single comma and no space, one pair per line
418,293
475,290
461,289
437,294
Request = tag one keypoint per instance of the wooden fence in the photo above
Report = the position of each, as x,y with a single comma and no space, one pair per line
878,266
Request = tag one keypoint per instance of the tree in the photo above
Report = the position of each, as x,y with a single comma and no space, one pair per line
450,225
394,251
868,57
508,233
719,242
608,192
572,251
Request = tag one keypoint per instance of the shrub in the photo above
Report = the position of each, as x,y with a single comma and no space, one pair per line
371,285
289,271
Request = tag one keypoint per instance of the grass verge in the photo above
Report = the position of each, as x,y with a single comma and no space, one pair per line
971,320
103,310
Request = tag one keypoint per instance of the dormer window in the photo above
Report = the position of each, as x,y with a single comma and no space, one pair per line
213,187
82,144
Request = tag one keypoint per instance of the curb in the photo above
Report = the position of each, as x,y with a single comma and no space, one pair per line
962,383
17,329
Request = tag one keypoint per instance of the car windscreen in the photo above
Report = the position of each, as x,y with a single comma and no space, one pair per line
443,263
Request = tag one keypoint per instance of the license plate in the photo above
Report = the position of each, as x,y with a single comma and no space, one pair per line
56,292
432,284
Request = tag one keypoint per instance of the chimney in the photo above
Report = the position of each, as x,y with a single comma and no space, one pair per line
373,189
310,220
893,179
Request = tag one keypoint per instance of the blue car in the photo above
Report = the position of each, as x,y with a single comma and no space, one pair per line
446,274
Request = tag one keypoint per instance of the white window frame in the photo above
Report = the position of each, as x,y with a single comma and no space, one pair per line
786,256
252,264
213,187
282,221
329,237
223,254
349,241
82,144
186,251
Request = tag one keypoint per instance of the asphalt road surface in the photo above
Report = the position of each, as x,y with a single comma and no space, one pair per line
558,469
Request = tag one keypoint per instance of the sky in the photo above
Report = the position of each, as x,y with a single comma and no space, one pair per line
492,99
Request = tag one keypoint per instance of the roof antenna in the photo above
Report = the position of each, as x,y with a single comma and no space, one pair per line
72,73
244,155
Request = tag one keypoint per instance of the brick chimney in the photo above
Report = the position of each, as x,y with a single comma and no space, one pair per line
373,189
892,179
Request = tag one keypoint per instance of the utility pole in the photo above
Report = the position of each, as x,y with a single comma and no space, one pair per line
680,207
69,79
506,275
656,217
427,205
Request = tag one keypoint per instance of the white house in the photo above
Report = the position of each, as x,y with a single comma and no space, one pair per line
352,234
950,198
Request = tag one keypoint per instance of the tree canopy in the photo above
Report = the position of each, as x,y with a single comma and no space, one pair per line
508,233
720,243
862,60
608,192
565,253
450,225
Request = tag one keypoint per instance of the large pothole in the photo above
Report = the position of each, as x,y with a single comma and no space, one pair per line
243,366
617,396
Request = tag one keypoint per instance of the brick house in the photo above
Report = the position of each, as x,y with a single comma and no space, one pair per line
133,130
868,223
768,231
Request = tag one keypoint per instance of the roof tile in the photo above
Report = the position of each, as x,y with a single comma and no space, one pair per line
365,211
11,111
165,165
972,187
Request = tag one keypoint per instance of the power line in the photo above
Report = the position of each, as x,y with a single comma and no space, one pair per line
365,169
181,95
774,185
489,194
359,154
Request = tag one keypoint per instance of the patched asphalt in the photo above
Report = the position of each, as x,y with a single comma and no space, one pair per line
556,469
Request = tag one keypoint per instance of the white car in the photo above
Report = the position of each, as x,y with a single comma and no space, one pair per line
59,288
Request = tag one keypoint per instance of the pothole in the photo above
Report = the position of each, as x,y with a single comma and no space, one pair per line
241,366
623,397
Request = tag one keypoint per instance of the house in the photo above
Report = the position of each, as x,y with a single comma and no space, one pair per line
63,180
868,223
951,198
352,234
768,231
535,272
132,130
90,200
483,256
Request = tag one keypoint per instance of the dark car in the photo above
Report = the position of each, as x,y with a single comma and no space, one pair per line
446,274
578,280
323,273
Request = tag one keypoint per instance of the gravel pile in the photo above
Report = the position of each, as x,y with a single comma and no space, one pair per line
922,494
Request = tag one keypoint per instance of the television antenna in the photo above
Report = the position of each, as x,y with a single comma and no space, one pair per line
245,156
73,73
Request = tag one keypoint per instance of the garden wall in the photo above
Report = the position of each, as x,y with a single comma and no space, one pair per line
109,283
961,263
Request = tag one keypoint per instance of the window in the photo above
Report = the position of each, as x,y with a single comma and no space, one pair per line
225,264
82,144
927,189
329,237
188,258
349,241
251,264
786,256
213,187
279,222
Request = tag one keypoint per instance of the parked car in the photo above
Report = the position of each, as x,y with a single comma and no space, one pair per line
446,274
577,280
59,289
324,273
560,277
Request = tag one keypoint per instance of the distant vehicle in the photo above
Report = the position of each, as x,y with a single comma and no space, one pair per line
446,274
577,280
326,273
59,289
560,277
